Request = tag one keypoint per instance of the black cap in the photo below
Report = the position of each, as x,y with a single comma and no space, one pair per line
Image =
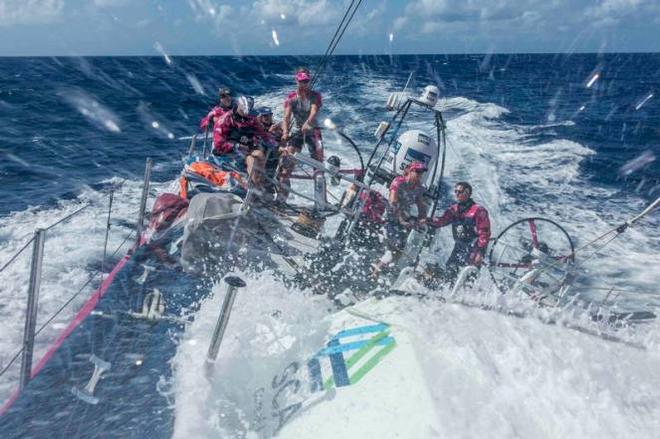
224,91
264,111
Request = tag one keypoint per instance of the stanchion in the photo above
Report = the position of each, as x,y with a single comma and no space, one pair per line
33,303
143,200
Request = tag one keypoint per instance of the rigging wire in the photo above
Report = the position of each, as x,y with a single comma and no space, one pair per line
56,313
339,32
13,258
66,218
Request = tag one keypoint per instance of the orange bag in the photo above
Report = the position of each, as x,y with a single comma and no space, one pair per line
213,174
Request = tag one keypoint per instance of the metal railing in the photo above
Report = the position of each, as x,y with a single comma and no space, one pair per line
33,300
38,241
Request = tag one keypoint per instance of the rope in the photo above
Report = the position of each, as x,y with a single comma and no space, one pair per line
14,358
68,217
13,258
52,317
595,240
339,33
597,249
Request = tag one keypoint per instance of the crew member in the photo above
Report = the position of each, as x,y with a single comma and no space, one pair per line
406,191
303,105
470,228
240,140
226,103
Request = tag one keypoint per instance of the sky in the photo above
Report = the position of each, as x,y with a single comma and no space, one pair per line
301,27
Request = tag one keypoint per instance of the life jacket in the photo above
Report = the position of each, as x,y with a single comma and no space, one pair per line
242,127
230,128
464,226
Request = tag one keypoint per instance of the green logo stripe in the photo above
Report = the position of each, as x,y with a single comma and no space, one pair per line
361,353
371,363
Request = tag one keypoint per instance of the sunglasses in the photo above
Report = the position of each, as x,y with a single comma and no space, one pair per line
460,191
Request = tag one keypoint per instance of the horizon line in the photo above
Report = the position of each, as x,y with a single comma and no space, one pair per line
334,55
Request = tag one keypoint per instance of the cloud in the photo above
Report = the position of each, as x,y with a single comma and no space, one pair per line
428,16
303,13
611,12
210,11
608,8
276,23
370,19
527,13
469,10
430,8
109,3
30,11
431,27
515,25
400,23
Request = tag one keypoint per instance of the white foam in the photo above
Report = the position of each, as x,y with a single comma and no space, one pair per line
490,374
266,324
487,373
516,177
72,252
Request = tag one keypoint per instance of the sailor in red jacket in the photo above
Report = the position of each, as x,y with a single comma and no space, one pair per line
226,104
471,229
241,142
406,192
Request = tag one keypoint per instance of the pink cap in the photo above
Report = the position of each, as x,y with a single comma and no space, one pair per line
302,76
417,167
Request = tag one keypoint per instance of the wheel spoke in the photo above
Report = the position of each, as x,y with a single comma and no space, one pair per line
535,238
535,244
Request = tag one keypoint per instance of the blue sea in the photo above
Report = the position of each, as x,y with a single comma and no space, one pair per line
53,139
574,138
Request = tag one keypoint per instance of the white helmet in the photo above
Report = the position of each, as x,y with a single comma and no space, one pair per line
412,146
430,95
244,105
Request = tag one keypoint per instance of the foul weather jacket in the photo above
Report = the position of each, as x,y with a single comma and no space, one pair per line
470,225
231,129
213,116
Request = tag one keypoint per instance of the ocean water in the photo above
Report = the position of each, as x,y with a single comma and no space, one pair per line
82,120
571,137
